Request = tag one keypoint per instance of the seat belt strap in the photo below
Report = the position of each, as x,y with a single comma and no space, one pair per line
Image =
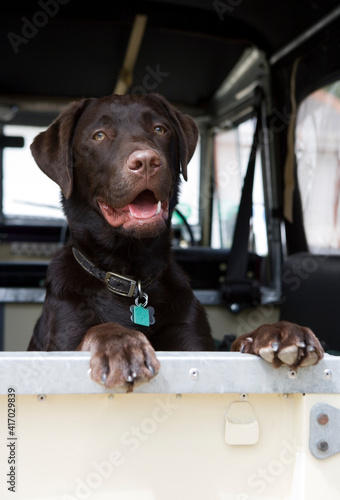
237,289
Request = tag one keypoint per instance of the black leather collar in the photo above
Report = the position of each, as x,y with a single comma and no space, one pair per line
114,282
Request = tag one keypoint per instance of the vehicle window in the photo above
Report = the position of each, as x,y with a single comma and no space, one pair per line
27,191
318,167
231,154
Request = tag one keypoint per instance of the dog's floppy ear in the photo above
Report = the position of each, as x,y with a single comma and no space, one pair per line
187,133
188,137
52,149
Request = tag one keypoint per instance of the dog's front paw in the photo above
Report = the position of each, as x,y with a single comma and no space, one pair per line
282,343
120,358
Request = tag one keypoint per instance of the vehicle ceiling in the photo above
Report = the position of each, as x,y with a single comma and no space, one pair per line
188,48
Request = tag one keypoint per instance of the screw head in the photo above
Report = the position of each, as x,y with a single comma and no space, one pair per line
194,373
322,446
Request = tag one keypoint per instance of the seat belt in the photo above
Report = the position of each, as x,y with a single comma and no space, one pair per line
238,291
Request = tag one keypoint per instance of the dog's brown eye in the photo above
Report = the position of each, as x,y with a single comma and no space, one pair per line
159,130
99,136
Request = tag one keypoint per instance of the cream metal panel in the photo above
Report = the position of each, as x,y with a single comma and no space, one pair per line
209,426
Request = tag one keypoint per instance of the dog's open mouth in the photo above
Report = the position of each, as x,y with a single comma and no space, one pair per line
145,209
145,205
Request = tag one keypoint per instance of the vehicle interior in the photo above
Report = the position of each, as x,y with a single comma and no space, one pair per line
257,228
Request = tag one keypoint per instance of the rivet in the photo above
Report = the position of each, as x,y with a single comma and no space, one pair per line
244,396
111,396
178,396
327,374
194,373
322,446
323,419
292,373
41,397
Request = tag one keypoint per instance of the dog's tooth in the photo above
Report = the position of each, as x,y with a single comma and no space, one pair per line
159,206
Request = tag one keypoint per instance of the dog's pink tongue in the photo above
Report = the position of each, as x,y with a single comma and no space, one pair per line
144,206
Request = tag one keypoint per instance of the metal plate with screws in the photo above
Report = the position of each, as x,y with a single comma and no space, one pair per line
181,373
324,439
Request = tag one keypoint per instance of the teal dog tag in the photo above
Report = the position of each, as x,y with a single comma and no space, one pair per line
141,315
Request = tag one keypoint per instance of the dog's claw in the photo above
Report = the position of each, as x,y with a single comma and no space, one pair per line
275,346
103,378
152,370
248,340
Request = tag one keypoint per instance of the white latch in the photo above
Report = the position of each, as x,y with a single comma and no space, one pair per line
241,425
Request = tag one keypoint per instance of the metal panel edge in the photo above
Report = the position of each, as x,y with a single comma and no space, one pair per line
181,372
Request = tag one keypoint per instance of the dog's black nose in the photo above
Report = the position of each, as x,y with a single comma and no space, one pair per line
143,161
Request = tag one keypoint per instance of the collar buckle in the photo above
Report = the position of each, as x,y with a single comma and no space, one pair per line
118,284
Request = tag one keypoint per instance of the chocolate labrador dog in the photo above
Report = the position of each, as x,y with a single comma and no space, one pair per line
115,290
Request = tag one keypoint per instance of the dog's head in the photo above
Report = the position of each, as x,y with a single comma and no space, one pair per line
122,157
